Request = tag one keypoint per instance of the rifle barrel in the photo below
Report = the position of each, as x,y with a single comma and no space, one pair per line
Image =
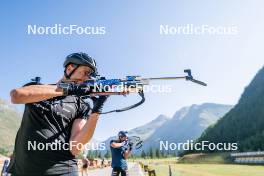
165,78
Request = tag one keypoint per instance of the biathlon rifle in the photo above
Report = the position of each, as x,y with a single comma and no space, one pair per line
131,84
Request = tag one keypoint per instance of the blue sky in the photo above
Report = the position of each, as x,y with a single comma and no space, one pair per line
133,45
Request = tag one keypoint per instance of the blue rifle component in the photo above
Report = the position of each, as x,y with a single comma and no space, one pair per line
132,82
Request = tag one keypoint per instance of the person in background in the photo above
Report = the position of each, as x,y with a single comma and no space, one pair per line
120,150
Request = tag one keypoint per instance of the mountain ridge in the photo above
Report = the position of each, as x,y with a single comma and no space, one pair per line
244,124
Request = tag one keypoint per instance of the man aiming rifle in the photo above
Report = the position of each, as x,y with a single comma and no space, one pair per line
55,115
120,150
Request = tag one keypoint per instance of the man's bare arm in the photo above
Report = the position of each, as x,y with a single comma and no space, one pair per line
116,145
34,93
126,154
82,132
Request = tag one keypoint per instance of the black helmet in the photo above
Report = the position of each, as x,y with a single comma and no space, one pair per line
81,59
122,133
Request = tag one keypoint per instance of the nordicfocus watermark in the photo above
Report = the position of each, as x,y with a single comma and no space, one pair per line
58,145
154,88
191,29
198,146
58,29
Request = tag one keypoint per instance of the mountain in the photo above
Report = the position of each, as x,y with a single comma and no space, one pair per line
148,129
187,124
244,124
143,131
10,120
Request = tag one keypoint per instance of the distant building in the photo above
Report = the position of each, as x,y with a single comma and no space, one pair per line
248,157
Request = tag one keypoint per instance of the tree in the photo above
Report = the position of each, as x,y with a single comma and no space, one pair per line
162,154
143,154
157,153
108,154
150,153
3,151
99,154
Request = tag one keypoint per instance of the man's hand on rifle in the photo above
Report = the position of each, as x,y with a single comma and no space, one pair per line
130,144
98,104
127,144
75,89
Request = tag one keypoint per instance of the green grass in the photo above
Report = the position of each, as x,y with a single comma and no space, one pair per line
171,160
201,158
209,170
202,165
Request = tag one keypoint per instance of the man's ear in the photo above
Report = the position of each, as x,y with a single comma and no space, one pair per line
70,67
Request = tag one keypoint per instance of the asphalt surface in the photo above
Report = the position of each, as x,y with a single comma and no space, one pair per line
133,170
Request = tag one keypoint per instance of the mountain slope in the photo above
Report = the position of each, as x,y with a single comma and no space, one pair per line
245,122
148,129
10,120
187,124
144,131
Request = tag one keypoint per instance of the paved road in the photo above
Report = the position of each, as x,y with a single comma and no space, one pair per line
100,172
133,168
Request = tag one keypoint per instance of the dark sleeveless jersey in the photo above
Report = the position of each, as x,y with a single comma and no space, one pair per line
42,141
